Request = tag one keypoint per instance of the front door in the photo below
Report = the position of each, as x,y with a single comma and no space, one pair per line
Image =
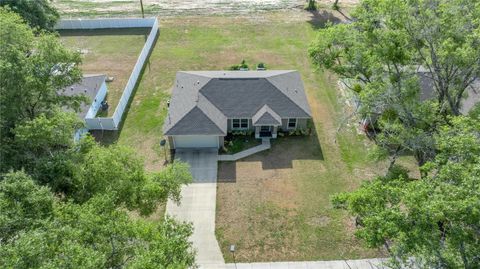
265,131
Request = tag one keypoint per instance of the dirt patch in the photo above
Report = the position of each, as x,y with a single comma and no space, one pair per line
112,54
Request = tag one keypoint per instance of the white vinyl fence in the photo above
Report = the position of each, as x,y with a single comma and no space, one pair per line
113,123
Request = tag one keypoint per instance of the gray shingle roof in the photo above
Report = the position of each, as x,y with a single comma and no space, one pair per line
266,116
233,94
88,86
427,92
195,122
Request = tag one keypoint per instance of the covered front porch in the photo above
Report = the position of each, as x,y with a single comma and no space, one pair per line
266,131
266,123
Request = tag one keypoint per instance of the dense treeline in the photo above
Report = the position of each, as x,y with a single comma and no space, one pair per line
382,55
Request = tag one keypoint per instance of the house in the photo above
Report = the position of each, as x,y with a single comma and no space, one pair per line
470,99
206,105
95,88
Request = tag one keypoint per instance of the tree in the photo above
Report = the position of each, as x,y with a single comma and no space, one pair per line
92,235
38,14
23,204
80,171
381,52
43,137
434,220
33,69
335,5
311,5
133,188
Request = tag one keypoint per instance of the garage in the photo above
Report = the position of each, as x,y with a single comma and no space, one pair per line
196,141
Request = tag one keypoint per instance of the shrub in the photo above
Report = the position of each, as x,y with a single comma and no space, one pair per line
242,65
261,66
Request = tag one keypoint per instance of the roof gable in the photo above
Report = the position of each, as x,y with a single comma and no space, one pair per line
195,122
266,116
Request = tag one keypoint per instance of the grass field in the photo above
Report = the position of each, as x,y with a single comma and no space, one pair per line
273,205
110,52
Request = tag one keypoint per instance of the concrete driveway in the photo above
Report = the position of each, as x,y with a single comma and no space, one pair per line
203,163
198,204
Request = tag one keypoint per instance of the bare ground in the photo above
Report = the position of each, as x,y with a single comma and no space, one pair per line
168,8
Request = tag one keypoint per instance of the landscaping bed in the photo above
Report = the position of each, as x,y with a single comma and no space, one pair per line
237,143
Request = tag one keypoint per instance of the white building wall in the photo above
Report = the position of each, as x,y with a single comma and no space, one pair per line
97,102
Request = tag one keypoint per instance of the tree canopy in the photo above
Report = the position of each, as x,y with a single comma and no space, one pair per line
38,13
34,68
381,53
50,233
434,220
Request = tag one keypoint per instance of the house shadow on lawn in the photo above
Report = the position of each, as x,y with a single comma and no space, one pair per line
281,155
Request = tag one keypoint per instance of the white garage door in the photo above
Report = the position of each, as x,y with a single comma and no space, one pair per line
196,141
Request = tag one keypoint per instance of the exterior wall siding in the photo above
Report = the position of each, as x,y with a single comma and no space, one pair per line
301,124
95,106
170,142
284,124
221,141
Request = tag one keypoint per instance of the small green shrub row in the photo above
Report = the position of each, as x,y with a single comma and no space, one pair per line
244,65
245,132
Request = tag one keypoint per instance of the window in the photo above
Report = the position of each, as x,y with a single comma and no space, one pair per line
239,123
292,123
235,123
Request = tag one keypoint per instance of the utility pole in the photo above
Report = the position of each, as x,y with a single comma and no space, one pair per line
141,5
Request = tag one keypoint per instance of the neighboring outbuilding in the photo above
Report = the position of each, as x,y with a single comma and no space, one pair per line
95,88
206,105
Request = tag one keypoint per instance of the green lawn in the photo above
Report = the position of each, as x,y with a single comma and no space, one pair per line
276,205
